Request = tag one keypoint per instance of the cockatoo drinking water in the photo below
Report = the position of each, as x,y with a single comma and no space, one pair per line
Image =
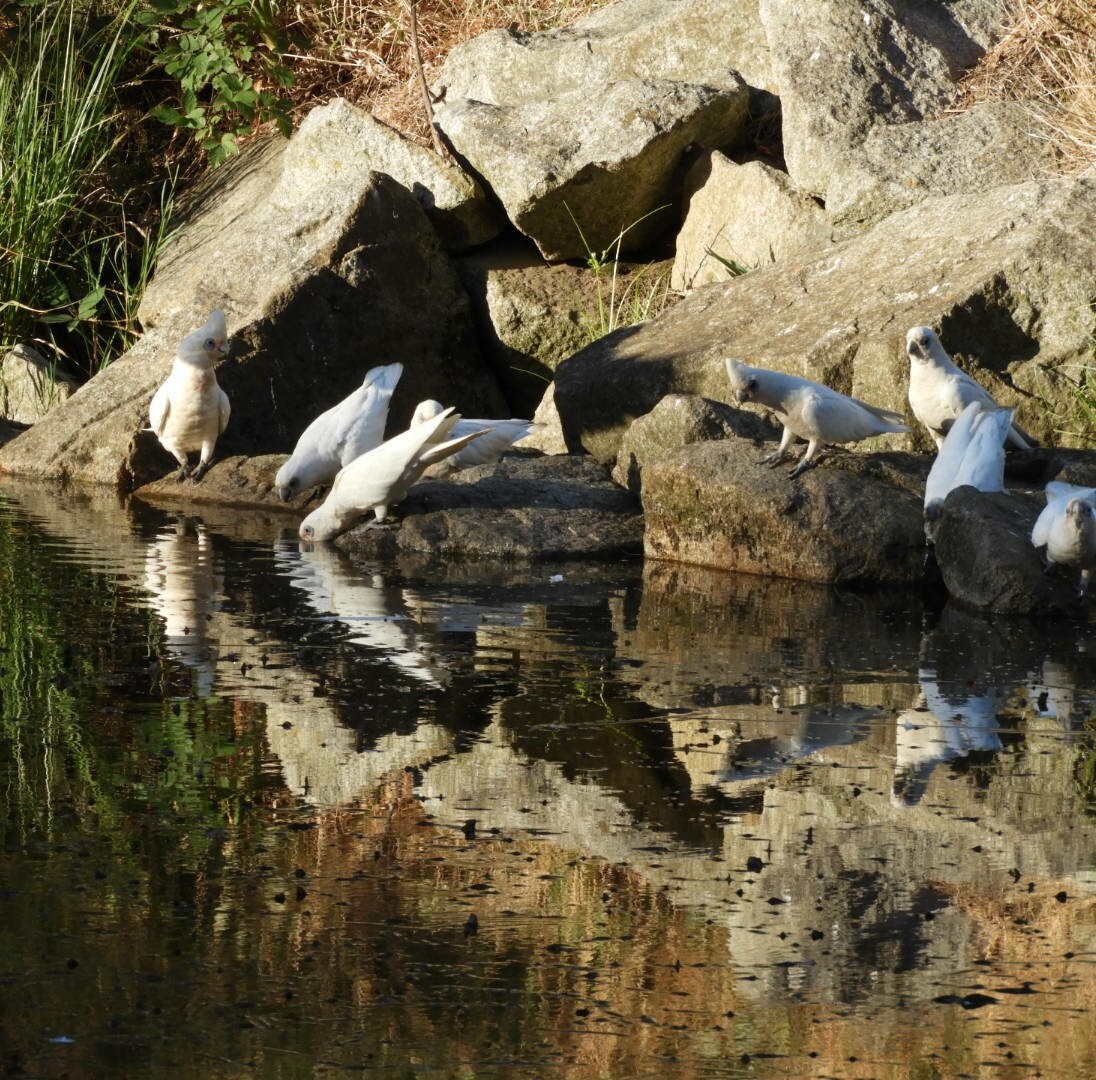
810,410
939,390
190,410
498,436
381,478
336,437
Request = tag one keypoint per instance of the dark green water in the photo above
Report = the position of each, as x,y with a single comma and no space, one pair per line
267,813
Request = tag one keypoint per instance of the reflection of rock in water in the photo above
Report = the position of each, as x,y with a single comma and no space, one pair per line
737,748
185,583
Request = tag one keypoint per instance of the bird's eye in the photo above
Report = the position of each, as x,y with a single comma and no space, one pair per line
751,385
308,531
209,344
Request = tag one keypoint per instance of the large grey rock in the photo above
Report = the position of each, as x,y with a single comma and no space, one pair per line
580,171
979,149
30,386
531,315
853,520
741,217
1004,277
676,421
986,559
842,67
337,145
316,291
525,507
692,41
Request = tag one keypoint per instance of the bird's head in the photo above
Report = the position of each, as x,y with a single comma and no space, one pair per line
207,344
426,410
287,482
743,380
1081,514
323,524
921,342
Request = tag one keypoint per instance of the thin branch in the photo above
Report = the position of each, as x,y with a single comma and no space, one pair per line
439,146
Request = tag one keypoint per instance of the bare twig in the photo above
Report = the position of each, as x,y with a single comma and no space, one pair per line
439,146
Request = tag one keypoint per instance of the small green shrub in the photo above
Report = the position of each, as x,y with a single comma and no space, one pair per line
625,295
228,59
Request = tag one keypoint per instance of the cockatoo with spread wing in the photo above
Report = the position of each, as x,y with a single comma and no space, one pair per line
939,391
190,410
498,436
810,411
381,477
339,435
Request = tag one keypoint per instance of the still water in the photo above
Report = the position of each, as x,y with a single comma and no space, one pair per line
268,813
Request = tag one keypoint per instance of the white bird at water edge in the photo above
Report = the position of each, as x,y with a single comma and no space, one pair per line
809,410
939,390
381,478
336,437
190,410
498,436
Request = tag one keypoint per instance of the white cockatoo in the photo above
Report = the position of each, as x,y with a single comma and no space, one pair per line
939,391
381,478
973,452
1067,529
810,411
498,436
190,410
342,433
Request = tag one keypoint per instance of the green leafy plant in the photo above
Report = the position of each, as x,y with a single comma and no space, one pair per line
58,112
228,58
624,295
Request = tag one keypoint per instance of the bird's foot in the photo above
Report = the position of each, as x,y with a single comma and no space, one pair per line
803,466
182,474
773,459
200,471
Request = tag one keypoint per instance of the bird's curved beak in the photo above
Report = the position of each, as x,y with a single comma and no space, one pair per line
742,395
285,494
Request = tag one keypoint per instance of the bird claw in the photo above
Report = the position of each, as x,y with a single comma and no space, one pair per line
802,467
773,459
199,472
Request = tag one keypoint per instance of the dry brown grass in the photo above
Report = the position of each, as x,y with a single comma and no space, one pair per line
360,49
1047,58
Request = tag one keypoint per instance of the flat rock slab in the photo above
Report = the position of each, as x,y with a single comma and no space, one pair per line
235,481
525,507
855,519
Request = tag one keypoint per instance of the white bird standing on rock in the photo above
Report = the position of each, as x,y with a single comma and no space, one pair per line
1067,529
381,478
810,410
339,435
498,436
973,452
939,391
190,410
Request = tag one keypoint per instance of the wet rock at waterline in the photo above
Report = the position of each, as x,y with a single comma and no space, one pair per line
525,507
854,519
986,559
